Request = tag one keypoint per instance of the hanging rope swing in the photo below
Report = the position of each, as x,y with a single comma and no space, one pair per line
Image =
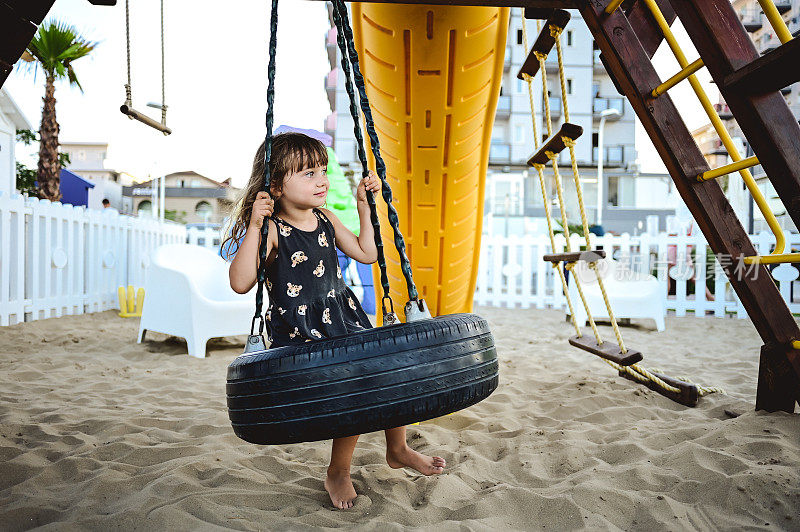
127,107
380,378
618,356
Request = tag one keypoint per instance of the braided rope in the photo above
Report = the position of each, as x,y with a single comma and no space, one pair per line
262,249
163,72
128,97
380,166
362,155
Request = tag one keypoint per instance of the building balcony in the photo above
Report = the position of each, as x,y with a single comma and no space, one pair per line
717,148
612,155
332,47
723,111
601,104
555,107
783,6
330,124
751,20
331,80
499,153
503,107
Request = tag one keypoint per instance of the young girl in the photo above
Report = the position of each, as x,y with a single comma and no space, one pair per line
308,298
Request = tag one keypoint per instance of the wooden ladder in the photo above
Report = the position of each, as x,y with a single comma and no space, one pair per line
628,37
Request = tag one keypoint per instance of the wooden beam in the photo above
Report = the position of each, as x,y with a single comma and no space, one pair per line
645,26
549,4
16,33
575,256
765,119
630,63
770,72
555,143
544,42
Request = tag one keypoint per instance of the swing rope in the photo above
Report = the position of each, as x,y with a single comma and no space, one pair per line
350,65
635,371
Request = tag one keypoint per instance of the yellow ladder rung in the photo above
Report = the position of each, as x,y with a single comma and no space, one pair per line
612,6
780,258
728,168
796,344
677,78
776,21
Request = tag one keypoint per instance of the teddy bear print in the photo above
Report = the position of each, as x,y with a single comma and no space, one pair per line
302,310
319,271
338,272
332,293
326,316
269,315
316,333
284,230
323,240
293,290
269,284
298,257
351,303
294,333
282,311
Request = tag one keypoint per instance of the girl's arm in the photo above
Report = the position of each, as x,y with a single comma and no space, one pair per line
362,247
244,267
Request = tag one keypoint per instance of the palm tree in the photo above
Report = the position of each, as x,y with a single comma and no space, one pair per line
55,47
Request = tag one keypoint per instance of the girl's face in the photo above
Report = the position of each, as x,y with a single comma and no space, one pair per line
306,189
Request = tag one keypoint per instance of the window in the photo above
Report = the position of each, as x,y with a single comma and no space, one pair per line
569,86
595,90
204,210
181,183
145,207
621,191
569,37
519,134
81,155
519,36
520,86
595,140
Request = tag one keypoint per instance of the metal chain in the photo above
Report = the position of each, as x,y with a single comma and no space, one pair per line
380,166
362,155
262,250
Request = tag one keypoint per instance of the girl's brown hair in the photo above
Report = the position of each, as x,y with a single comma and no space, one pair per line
291,152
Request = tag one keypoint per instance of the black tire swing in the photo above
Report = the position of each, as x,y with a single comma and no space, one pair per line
376,379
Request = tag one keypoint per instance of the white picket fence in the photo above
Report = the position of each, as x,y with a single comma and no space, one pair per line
512,272
58,259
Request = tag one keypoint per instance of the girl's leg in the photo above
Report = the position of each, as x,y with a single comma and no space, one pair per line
399,454
338,483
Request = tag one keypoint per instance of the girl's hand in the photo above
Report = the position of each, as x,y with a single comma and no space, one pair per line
262,208
371,183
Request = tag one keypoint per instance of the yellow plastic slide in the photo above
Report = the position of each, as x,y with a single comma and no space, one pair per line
433,75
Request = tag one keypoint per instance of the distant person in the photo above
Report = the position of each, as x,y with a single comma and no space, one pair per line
106,203
308,298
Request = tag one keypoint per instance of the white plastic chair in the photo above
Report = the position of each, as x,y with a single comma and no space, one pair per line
188,294
632,295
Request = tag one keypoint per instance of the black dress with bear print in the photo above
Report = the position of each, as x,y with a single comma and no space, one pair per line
308,298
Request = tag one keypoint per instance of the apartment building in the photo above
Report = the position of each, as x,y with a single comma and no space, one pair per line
765,41
513,191
88,160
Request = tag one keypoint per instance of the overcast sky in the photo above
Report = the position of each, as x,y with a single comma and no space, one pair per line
216,61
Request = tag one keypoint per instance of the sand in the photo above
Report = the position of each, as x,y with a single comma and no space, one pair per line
100,433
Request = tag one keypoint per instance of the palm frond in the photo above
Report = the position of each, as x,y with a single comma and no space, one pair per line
55,46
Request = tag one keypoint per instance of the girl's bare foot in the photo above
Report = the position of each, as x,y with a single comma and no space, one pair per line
340,488
408,457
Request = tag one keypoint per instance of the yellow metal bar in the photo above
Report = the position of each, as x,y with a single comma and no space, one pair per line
752,186
612,6
728,168
776,20
773,258
677,78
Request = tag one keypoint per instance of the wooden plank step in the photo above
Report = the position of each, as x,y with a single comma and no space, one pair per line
575,256
688,395
544,42
555,143
770,72
607,350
